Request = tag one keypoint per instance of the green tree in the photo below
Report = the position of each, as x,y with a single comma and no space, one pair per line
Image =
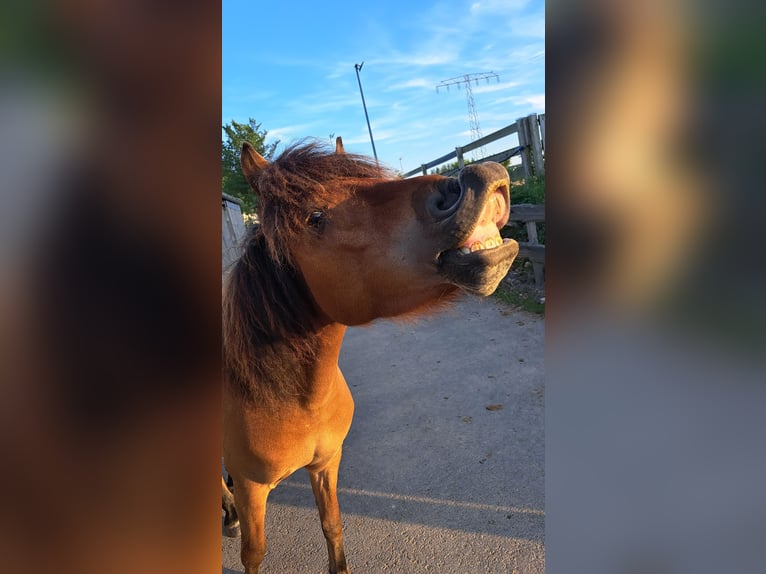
232,181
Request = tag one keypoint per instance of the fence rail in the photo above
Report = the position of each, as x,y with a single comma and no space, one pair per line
531,136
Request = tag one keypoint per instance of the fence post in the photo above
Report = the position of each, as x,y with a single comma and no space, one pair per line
424,168
541,119
524,143
232,229
536,144
537,268
460,160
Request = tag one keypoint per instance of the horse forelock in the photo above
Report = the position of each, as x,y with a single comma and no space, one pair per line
307,176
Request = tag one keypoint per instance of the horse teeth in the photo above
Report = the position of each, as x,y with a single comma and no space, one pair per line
488,243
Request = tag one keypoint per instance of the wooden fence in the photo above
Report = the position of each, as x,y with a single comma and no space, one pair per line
530,215
531,136
233,229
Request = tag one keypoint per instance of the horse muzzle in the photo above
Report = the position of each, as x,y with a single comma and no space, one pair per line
473,208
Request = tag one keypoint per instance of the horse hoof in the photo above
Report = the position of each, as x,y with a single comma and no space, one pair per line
232,530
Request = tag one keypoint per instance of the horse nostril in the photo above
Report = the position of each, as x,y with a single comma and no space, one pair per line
446,201
449,200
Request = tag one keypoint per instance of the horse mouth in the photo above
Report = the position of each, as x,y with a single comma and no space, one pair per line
482,258
478,272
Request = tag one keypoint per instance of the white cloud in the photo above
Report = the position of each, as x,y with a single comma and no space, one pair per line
423,58
287,133
319,103
413,83
483,88
493,6
535,101
532,26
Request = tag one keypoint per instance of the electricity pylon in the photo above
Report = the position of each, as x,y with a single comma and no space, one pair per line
473,118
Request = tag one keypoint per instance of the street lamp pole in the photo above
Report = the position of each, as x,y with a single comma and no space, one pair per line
358,67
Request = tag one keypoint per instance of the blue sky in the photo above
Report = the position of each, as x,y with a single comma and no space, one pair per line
290,66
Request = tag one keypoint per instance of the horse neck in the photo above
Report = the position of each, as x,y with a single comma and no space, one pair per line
323,374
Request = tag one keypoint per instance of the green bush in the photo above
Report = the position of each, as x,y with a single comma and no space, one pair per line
531,191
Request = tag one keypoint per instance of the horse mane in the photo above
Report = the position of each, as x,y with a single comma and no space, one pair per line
269,315
307,176
268,323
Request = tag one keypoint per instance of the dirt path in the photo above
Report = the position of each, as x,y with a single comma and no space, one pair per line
431,479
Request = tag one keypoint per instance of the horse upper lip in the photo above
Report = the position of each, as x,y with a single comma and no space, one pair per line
479,228
492,216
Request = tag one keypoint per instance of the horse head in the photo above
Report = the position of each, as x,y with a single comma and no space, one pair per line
370,244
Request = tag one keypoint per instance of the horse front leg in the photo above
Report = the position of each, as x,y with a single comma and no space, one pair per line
231,520
250,499
324,484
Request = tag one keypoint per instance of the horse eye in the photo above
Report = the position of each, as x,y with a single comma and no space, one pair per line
315,219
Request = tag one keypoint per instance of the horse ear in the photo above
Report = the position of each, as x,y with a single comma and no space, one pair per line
252,163
339,145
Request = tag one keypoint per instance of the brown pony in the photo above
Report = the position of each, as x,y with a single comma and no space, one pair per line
341,242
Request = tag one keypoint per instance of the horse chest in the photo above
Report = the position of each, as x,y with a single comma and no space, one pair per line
269,446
